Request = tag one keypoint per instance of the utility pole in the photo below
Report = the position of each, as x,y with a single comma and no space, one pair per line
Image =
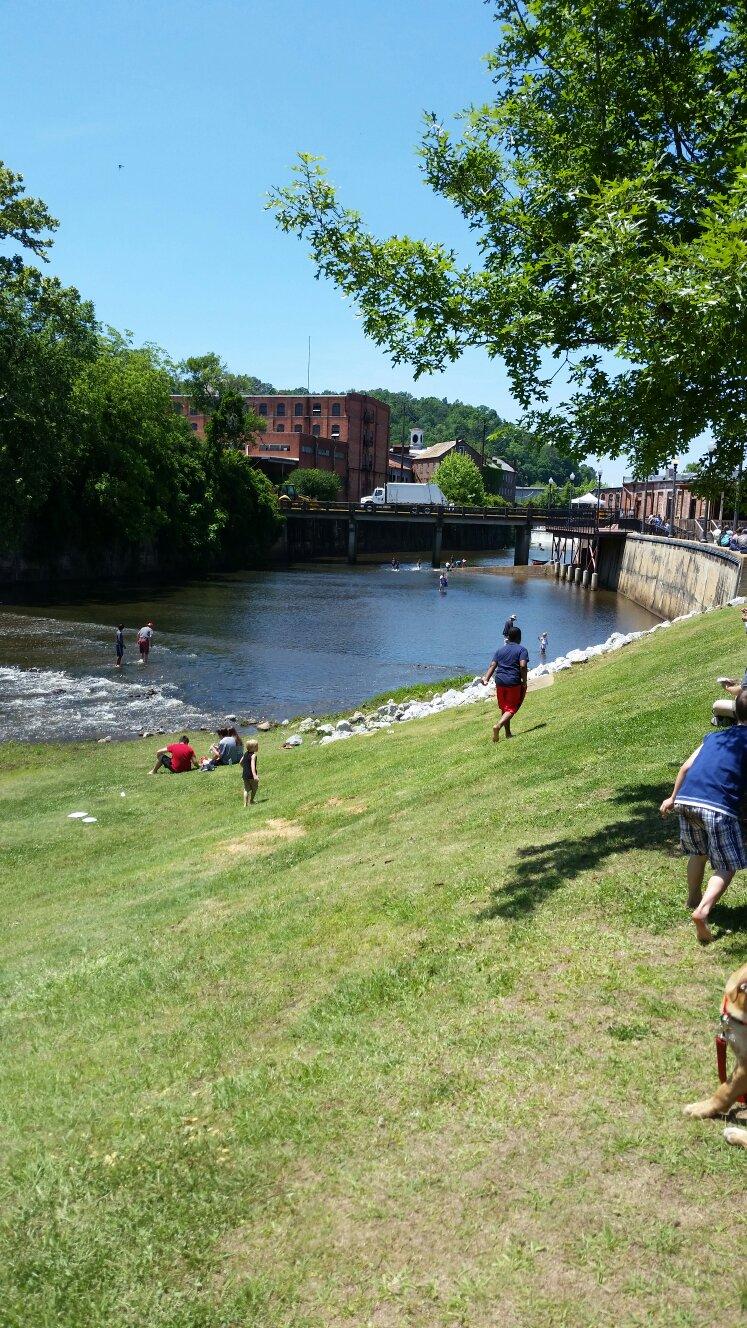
674,495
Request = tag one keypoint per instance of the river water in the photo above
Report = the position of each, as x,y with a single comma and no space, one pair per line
275,644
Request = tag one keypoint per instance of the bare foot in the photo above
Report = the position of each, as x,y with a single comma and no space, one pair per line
496,732
701,1110
733,1135
703,931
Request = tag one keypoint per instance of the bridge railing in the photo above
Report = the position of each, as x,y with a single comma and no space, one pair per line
514,514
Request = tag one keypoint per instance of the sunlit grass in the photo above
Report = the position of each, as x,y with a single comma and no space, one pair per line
412,1054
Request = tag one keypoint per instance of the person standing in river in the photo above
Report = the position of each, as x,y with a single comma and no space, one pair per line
144,637
119,643
509,664
508,624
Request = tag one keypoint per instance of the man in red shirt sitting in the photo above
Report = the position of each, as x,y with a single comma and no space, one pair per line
178,757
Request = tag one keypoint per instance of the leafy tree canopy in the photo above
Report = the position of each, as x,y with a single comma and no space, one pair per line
323,485
460,480
606,186
92,454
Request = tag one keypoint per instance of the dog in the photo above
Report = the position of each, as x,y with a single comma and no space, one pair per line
734,1029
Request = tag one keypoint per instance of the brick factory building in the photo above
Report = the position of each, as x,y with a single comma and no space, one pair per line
348,434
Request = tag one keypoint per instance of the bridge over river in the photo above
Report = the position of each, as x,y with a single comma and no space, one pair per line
347,529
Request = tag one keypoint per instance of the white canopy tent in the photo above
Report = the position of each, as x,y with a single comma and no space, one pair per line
587,499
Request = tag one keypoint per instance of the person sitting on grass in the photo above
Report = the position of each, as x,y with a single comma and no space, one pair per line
229,748
708,793
178,757
509,664
249,771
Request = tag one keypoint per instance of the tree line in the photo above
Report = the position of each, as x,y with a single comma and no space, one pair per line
93,456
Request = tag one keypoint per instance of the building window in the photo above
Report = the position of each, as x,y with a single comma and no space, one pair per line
324,451
262,408
193,411
316,407
335,431
274,447
279,428
339,456
280,408
298,428
335,408
298,408
315,430
308,449
194,426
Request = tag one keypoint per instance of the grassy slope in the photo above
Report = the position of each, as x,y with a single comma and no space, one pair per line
421,1063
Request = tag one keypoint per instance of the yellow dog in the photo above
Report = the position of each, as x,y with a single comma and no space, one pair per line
734,1029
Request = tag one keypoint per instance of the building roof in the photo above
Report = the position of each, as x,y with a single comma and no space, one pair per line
439,450
497,463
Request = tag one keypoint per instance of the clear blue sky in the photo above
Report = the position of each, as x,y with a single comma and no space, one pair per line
205,105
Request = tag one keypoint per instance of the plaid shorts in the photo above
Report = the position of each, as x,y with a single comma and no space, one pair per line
712,834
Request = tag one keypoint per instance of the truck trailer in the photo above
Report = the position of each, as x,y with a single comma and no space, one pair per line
410,495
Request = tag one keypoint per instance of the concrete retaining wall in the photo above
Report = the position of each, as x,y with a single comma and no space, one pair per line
671,577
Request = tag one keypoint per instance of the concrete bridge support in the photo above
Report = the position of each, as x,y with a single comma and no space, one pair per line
522,541
352,540
438,539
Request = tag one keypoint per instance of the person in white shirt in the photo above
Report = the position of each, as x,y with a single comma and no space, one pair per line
144,638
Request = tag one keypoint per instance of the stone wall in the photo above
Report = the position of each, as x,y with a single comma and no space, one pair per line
671,577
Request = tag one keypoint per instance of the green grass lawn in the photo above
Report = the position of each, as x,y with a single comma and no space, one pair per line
403,1044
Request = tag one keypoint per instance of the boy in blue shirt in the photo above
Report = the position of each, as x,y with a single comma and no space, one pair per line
708,793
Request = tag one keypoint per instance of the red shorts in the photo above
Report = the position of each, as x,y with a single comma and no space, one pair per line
144,646
509,698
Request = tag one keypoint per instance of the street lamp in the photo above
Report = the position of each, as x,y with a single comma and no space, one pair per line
571,478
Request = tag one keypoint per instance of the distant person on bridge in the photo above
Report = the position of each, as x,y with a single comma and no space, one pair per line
509,664
508,624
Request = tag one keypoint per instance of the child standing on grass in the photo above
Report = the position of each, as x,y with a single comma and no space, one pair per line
249,771
708,794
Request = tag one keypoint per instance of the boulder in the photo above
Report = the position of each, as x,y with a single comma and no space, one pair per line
344,726
107,739
358,717
264,726
307,725
293,741
324,730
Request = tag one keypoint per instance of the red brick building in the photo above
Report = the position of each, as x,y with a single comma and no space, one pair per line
348,434
653,497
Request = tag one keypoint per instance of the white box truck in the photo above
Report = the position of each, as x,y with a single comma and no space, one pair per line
411,495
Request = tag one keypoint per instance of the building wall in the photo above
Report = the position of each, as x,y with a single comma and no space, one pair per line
670,576
360,421
300,451
643,500
424,468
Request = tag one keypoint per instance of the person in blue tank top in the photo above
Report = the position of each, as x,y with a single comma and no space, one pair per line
708,793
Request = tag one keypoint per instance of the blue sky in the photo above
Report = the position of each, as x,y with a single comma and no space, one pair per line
205,106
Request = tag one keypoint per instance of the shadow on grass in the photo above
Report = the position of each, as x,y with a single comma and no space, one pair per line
541,869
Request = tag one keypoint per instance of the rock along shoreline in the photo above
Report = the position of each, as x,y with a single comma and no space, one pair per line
393,712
